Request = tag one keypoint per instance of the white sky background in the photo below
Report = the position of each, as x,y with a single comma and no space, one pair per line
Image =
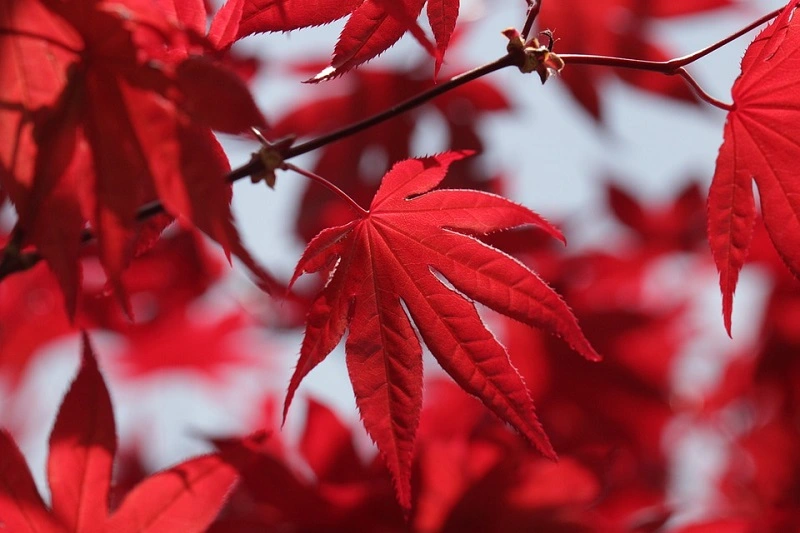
650,145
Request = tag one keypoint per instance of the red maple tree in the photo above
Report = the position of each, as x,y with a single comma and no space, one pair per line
113,178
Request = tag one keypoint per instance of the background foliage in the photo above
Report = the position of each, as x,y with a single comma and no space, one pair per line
678,429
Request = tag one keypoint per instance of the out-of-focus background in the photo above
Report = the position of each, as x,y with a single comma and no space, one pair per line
678,420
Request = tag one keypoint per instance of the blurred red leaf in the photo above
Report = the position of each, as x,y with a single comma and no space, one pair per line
115,133
21,508
176,341
32,314
327,445
190,494
82,448
202,83
672,227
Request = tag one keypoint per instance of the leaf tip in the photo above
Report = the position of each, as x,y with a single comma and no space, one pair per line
541,442
582,345
550,454
437,65
323,75
727,311
591,355
287,402
88,359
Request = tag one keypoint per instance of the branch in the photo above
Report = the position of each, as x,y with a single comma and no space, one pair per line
534,6
399,109
691,58
671,67
12,260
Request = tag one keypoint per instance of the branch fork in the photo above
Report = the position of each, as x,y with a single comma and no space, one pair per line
272,157
532,56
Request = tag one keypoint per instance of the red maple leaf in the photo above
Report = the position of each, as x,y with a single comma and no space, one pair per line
345,492
32,314
123,119
413,253
82,447
177,342
674,226
373,26
760,144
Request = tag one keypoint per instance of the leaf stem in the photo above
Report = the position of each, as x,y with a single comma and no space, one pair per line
683,73
671,66
330,186
674,66
667,68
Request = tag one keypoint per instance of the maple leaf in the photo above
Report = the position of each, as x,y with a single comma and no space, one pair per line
475,475
271,493
32,315
675,226
760,143
414,251
176,342
125,120
82,447
372,27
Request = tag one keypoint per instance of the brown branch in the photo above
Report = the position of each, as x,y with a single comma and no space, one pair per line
13,260
534,6
399,109
672,67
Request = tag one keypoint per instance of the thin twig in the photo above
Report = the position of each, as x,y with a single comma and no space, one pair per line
399,109
11,263
691,58
661,67
534,6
